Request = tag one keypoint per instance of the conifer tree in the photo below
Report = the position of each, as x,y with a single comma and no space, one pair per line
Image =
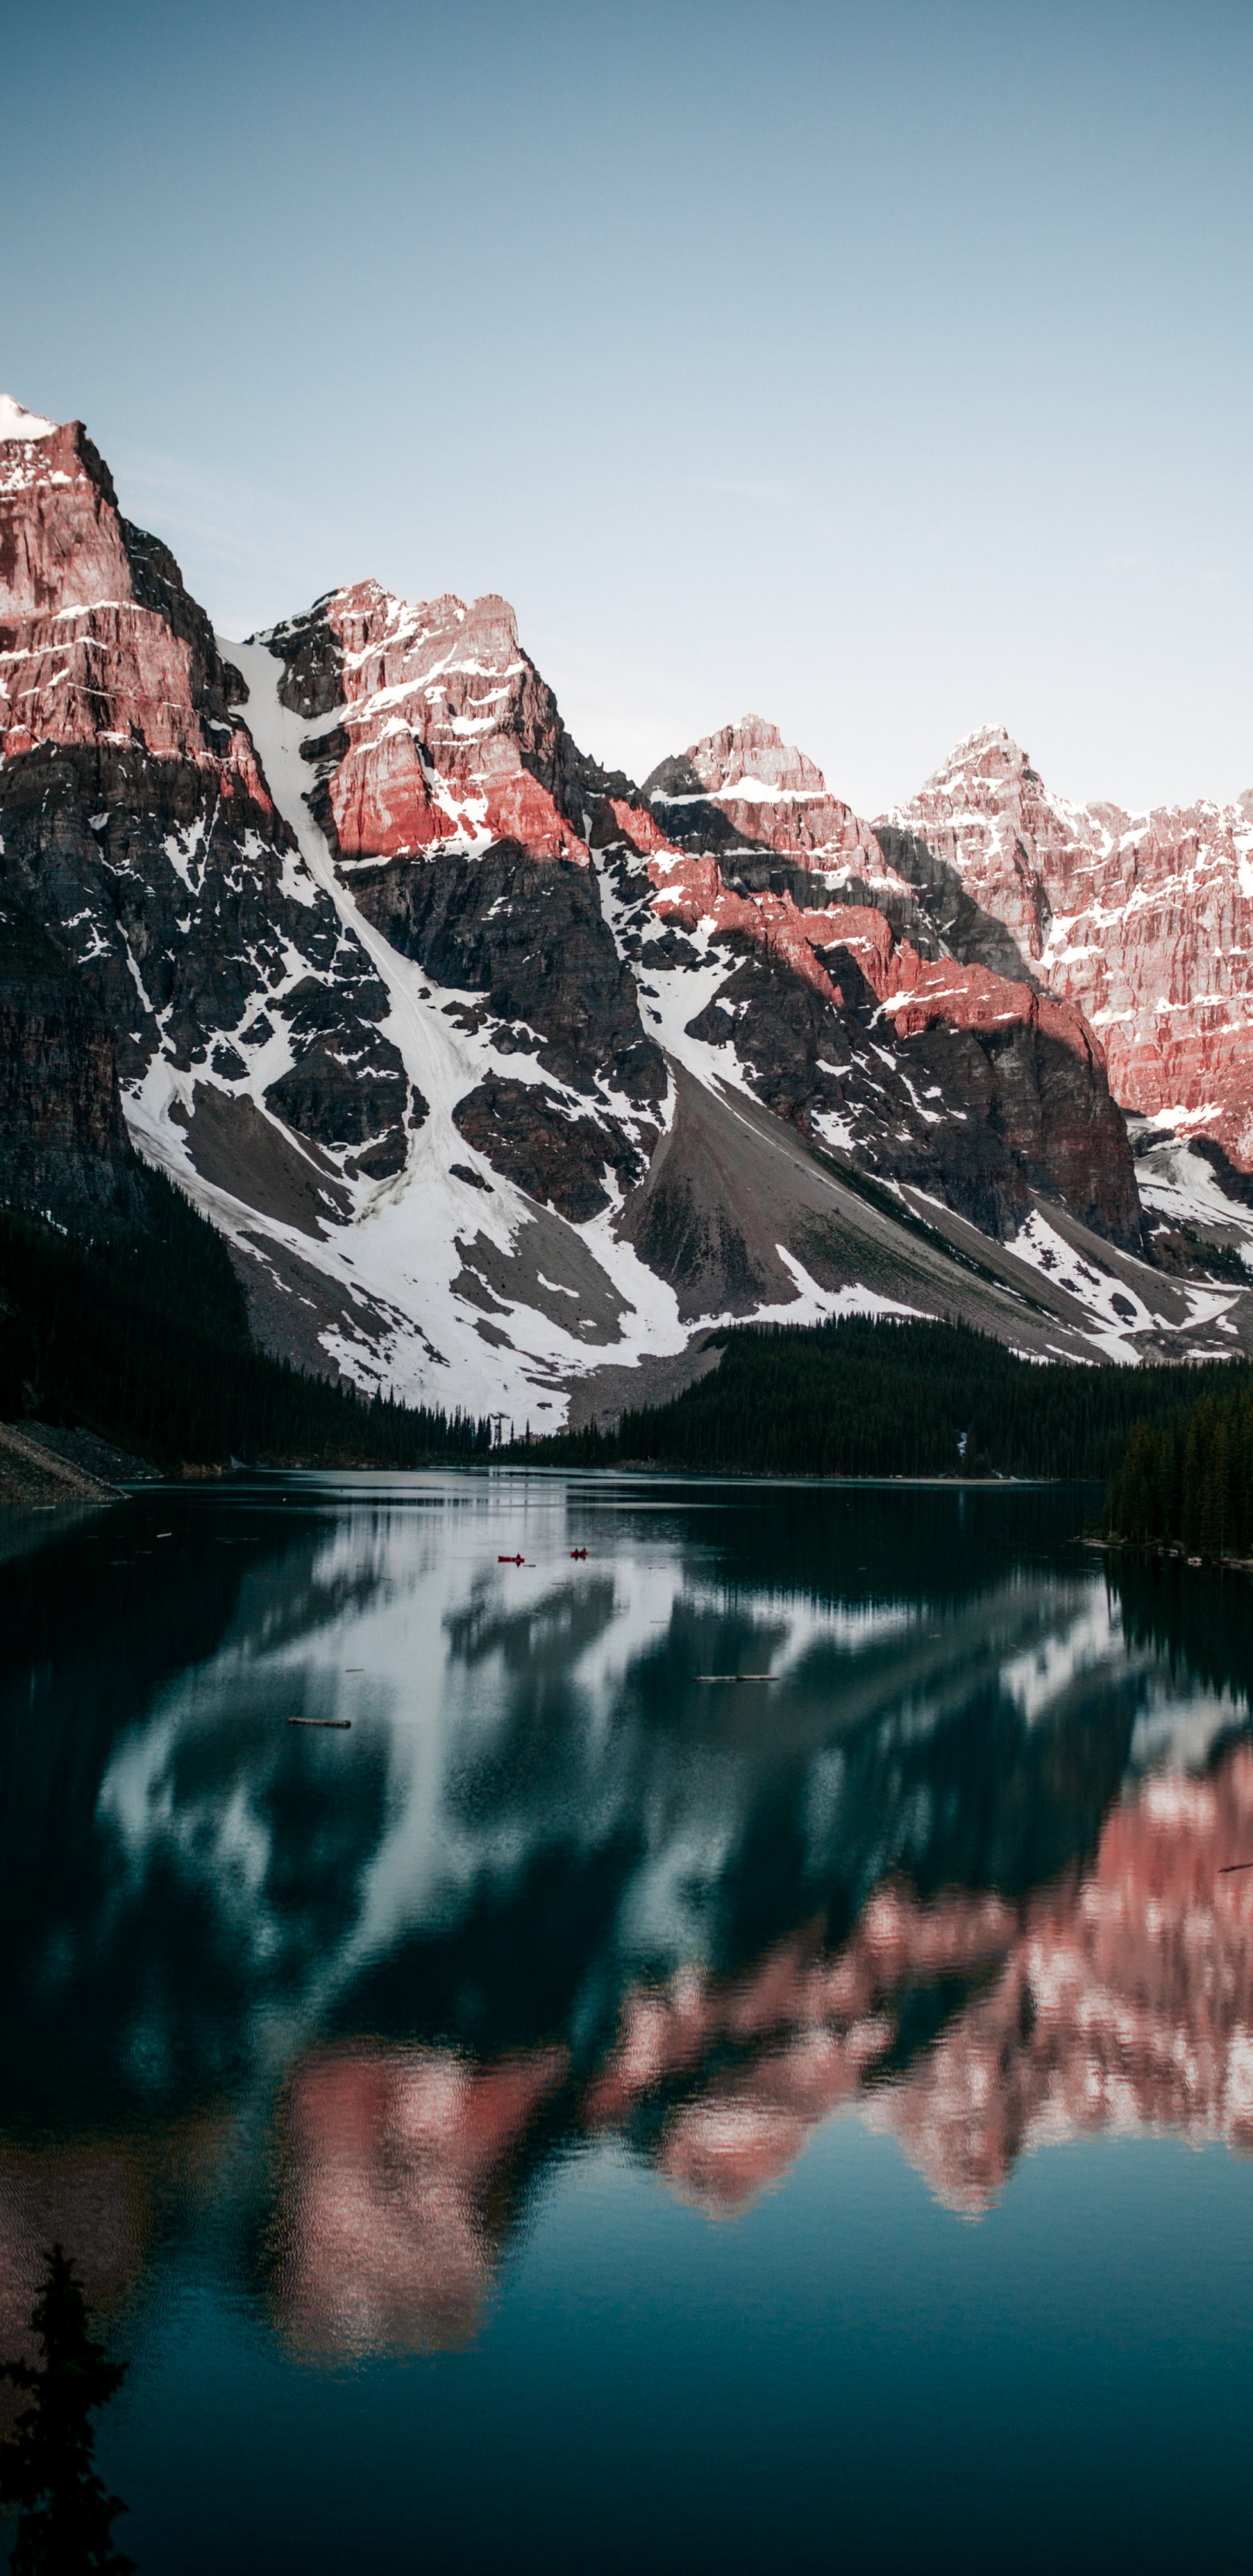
47,2462
1188,1481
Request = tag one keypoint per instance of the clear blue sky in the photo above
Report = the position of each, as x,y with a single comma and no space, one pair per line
882,368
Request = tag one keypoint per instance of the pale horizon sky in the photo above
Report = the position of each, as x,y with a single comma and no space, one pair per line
884,369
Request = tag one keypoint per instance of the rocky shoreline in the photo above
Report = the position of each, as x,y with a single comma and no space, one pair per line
34,1474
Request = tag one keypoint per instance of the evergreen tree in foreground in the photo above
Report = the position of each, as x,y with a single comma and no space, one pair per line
47,2462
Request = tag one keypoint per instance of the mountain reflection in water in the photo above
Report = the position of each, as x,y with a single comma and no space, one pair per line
337,2003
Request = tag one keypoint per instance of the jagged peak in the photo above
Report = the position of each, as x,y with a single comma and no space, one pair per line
751,756
17,422
366,614
989,752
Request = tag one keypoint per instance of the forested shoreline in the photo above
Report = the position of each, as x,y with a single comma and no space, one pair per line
143,1339
867,1397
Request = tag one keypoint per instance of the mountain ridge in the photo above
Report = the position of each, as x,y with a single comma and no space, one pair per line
508,1080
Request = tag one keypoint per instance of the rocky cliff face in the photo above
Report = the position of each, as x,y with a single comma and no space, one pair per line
926,1069
64,1149
1144,922
462,821
444,732
762,809
455,806
138,831
746,792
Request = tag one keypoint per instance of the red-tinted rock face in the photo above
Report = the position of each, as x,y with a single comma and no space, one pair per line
447,733
84,657
914,993
693,892
846,990
769,794
60,534
1021,1103
439,744
452,798
1145,922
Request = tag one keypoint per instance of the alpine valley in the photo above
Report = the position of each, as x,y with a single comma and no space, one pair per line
508,1081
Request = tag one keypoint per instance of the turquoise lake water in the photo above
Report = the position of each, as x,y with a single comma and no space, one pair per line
595,2112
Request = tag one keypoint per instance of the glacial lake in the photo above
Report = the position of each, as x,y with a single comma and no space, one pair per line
585,2114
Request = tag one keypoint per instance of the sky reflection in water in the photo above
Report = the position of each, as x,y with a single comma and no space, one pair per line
333,2049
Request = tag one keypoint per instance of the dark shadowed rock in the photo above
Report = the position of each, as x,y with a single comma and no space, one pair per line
530,936
64,1151
525,1131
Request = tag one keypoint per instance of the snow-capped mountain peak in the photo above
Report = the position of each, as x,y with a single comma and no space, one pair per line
505,1079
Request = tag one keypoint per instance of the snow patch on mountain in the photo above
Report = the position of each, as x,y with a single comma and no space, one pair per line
1119,1312
17,422
480,1305
1178,1183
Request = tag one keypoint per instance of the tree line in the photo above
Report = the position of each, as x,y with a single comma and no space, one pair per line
1188,1481
143,1337
868,1397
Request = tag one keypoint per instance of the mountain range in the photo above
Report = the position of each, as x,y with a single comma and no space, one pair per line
509,1080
